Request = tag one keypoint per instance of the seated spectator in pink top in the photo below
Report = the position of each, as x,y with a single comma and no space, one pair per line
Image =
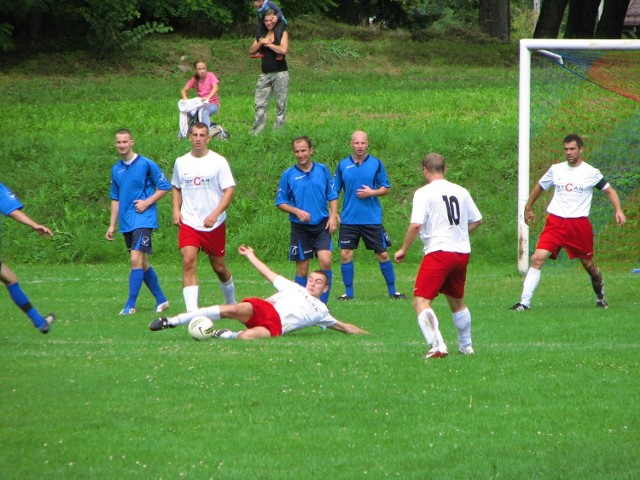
206,84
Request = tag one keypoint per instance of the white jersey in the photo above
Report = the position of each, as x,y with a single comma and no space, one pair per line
573,188
297,308
202,181
444,211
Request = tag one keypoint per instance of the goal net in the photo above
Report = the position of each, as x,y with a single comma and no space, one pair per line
591,88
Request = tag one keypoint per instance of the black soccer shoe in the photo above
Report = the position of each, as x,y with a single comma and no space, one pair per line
161,323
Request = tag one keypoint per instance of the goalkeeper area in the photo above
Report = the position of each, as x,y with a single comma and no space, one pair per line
592,88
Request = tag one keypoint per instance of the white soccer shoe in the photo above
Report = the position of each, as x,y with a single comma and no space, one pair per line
439,351
468,350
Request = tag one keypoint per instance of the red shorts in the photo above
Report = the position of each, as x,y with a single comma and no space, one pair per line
575,235
211,243
264,315
442,272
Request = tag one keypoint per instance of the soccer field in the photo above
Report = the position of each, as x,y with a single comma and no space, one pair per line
550,393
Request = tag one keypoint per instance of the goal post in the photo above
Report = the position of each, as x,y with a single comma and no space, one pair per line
583,64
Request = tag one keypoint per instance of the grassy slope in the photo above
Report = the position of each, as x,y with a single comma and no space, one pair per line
454,97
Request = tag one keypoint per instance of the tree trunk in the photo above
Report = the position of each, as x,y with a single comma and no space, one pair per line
582,18
612,20
550,18
495,18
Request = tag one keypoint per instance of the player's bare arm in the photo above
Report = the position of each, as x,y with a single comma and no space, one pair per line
21,217
474,225
142,205
366,192
300,214
409,238
176,202
262,269
615,201
533,197
348,328
115,205
334,220
225,201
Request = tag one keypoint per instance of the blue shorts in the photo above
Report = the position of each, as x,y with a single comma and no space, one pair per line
375,237
139,239
306,240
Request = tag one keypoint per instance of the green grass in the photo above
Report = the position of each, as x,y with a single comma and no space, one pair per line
550,393
57,147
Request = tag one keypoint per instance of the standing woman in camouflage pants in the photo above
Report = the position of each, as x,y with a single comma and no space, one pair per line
274,79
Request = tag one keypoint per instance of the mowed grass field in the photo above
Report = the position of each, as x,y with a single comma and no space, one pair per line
550,393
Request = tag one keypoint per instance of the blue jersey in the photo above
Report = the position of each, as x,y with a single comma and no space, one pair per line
350,176
8,201
309,191
136,181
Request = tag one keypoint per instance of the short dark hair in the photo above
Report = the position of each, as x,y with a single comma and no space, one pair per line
198,125
302,138
324,274
123,131
434,162
574,137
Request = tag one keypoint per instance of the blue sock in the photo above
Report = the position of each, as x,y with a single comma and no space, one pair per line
348,272
325,296
389,276
23,303
302,281
136,278
151,281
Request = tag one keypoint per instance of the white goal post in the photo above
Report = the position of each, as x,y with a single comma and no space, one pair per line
524,120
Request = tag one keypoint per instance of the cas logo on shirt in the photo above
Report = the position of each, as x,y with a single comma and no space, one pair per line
197,181
569,187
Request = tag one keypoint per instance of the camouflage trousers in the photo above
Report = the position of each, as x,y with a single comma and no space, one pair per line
276,84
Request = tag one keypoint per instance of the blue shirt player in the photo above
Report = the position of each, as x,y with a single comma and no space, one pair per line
11,207
137,183
363,179
307,194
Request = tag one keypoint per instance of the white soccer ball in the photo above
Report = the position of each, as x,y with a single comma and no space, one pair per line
201,328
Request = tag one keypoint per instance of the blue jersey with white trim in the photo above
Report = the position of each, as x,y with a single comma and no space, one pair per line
136,181
8,201
309,191
351,176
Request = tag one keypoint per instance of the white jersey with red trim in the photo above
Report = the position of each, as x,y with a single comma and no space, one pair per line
297,308
202,181
573,188
444,211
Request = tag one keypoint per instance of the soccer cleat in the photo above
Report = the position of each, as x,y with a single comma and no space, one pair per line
468,350
437,352
344,297
161,323
128,310
602,303
220,333
398,296
279,57
161,307
519,307
257,55
49,319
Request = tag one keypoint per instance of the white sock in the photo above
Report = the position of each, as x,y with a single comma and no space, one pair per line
229,335
428,323
190,295
462,321
228,291
212,313
531,282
